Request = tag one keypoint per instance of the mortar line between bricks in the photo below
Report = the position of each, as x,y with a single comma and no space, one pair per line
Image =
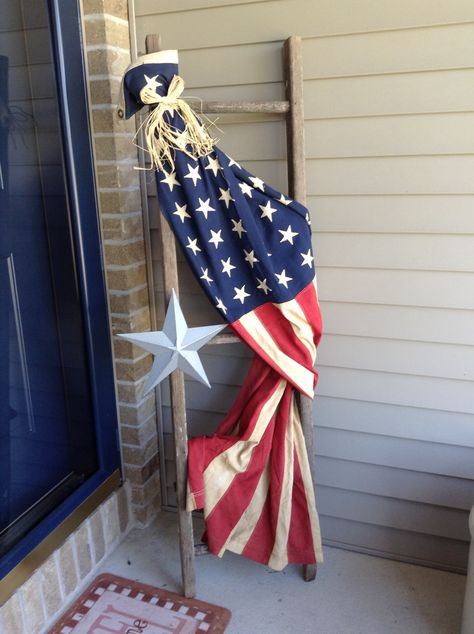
132,361
126,267
138,404
129,291
103,17
105,77
107,47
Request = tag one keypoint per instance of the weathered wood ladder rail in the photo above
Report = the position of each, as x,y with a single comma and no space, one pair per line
293,109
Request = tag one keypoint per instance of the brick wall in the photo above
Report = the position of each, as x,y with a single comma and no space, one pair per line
53,586
107,42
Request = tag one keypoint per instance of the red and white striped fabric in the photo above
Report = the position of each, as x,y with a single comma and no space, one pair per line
252,477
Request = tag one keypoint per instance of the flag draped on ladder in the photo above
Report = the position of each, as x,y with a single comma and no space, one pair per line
250,248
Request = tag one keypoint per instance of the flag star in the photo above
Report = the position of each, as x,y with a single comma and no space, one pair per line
232,162
267,211
192,244
240,294
227,266
221,306
181,211
307,259
263,286
205,276
246,189
170,180
238,227
193,174
283,278
216,238
151,82
225,196
307,218
257,182
213,165
288,235
284,201
250,257
205,207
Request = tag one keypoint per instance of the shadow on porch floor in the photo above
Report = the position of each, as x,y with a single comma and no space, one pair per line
353,593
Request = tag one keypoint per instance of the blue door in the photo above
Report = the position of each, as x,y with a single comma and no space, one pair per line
57,409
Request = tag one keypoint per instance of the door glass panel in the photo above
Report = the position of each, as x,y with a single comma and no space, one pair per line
47,438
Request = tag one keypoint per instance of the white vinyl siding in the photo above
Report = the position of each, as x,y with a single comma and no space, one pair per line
389,125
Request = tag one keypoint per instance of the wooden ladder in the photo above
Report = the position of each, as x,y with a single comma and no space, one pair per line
292,108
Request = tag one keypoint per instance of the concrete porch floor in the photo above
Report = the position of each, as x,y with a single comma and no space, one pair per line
352,594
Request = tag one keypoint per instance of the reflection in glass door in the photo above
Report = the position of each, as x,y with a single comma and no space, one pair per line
47,438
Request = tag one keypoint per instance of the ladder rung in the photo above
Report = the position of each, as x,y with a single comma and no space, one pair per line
230,107
225,338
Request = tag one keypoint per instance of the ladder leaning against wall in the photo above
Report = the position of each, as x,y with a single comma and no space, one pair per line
292,109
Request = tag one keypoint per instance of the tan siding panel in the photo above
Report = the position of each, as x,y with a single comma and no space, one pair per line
390,542
406,288
438,325
440,91
449,46
397,389
390,512
396,251
269,21
389,136
394,420
402,175
403,357
431,214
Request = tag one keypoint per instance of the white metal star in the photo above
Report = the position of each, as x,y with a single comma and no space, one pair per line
238,227
192,244
240,294
250,257
213,165
267,211
175,346
246,189
216,238
283,278
181,211
227,266
307,259
257,182
205,207
263,286
225,196
170,180
288,235
193,174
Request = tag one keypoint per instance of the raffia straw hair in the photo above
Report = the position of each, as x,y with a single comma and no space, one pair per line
161,138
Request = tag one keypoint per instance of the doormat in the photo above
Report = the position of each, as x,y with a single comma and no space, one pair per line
114,605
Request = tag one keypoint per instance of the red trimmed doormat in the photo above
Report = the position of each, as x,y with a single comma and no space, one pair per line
114,605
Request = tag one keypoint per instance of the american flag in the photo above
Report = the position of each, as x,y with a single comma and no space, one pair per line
250,248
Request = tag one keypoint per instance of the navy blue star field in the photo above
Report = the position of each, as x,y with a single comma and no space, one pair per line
246,242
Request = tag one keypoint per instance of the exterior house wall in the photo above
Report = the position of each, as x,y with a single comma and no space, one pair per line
389,143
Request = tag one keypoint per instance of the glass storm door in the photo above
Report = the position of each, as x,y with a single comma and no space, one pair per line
48,446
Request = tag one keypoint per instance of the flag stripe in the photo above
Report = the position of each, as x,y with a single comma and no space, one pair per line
251,329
